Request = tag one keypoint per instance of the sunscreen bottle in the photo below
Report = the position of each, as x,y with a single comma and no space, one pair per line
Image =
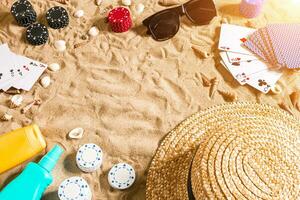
20,145
34,180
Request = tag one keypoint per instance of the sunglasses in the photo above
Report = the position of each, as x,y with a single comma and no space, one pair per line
165,24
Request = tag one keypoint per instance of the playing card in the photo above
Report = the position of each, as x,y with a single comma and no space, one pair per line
22,70
285,39
7,70
264,80
241,71
237,57
36,70
232,37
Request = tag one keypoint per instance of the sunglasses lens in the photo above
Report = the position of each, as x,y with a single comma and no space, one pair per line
164,25
201,11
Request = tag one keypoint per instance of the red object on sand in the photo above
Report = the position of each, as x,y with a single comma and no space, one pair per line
119,19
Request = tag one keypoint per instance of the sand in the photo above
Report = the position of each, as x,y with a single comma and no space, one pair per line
126,90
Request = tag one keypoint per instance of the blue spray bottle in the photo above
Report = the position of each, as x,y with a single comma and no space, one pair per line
34,180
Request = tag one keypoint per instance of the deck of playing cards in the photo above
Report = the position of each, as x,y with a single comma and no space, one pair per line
245,66
278,44
18,71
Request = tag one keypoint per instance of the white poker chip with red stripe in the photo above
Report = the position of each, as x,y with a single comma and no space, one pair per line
119,19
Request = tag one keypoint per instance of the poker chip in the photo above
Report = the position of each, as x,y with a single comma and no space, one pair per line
57,17
89,157
121,176
37,34
74,188
23,13
119,19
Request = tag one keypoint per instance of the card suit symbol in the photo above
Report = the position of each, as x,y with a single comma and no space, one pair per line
249,61
238,58
236,63
1,75
243,40
262,82
26,68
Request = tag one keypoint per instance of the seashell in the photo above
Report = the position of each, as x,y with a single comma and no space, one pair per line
276,89
13,91
76,133
170,2
6,117
79,13
99,2
16,101
228,96
285,107
205,81
213,88
54,67
140,8
94,31
45,81
27,107
60,45
26,122
126,2
79,45
201,52
295,99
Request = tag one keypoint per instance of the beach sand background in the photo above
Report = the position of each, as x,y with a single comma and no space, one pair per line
126,90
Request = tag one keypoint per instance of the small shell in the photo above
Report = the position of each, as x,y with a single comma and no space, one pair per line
295,99
126,2
228,96
26,122
13,91
27,107
285,107
60,45
201,52
76,133
94,31
214,86
169,2
98,2
205,81
45,81
6,117
79,13
276,89
16,101
140,8
54,67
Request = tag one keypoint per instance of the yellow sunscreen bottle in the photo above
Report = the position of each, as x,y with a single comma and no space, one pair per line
20,145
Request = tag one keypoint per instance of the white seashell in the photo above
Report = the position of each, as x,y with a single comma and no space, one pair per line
54,67
98,2
94,31
79,13
45,81
140,8
60,45
76,133
6,117
16,101
126,2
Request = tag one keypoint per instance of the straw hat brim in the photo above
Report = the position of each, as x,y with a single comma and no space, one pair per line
169,171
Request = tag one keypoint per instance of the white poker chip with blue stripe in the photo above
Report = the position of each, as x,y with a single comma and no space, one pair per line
74,188
89,157
121,176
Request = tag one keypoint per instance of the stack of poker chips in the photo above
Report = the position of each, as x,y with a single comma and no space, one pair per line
119,19
251,8
89,157
57,17
23,13
74,188
37,33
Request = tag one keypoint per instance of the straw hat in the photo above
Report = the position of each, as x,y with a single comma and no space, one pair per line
246,151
